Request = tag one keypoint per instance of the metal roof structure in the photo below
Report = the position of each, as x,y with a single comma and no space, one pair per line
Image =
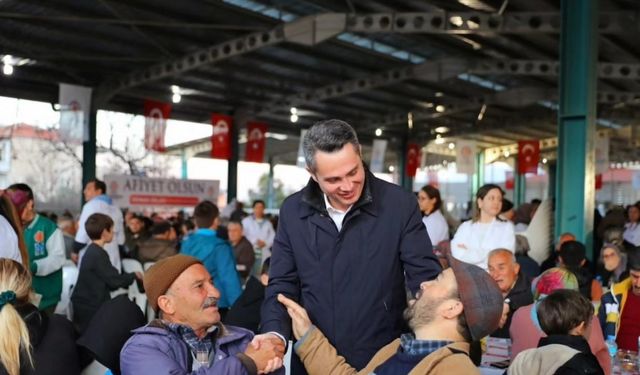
486,70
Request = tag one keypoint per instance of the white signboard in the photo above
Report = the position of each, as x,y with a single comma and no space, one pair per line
377,155
602,153
131,191
466,157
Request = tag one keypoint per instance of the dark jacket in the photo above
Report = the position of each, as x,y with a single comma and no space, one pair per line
154,349
352,282
245,312
154,249
520,295
243,252
96,279
528,266
582,363
53,341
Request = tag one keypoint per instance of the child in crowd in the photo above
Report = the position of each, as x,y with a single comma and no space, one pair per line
97,277
565,316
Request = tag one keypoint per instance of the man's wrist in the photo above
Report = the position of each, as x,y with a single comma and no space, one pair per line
284,341
248,363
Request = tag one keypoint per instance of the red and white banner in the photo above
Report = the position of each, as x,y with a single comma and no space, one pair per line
528,156
155,125
256,142
134,191
598,181
221,136
466,157
413,159
75,103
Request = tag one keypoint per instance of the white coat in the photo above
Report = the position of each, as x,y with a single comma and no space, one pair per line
473,241
437,227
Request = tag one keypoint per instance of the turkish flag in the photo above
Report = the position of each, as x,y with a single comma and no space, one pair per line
509,181
155,124
528,156
256,141
413,159
221,137
599,181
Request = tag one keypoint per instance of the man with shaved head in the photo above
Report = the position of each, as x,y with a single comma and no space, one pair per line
514,285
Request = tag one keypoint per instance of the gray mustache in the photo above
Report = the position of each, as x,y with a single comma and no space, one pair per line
209,302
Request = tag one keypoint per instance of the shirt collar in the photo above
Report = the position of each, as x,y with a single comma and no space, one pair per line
412,346
196,344
331,209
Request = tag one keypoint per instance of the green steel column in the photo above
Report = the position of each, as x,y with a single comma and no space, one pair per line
184,164
519,188
89,149
478,176
405,181
575,189
232,167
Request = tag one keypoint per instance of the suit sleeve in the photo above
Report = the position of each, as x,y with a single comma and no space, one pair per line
228,275
283,278
416,251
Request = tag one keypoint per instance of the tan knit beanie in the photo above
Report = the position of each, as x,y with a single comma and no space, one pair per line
161,275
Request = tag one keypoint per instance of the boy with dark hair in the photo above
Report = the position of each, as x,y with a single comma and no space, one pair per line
97,277
565,316
215,253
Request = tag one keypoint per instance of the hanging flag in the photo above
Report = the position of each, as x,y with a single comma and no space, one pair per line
598,181
466,157
377,155
528,156
75,104
256,140
413,159
301,161
509,180
155,124
221,136
602,153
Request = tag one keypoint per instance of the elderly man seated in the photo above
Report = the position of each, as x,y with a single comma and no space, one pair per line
188,337
461,305
514,285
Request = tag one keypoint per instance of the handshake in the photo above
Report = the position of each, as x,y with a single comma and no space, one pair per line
267,350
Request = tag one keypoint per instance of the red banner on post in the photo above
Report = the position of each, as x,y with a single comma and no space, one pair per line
509,180
413,159
256,141
599,181
221,136
155,124
528,156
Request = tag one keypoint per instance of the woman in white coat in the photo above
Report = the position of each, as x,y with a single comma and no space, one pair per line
475,238
430,205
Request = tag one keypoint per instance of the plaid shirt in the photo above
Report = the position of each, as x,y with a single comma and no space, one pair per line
415,347
201,348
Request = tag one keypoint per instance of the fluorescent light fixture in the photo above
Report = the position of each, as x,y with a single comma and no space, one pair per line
176,98
378,132
441,129
294,118
7,69
440,108
452,146
175,89
392,168
294,110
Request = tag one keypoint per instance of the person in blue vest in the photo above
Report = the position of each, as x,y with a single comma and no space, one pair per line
215,253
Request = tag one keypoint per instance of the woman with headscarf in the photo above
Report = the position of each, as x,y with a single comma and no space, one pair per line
30,341
475,238
430,204
525,328
612,265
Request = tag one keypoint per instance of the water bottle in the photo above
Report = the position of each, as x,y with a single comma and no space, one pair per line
613,353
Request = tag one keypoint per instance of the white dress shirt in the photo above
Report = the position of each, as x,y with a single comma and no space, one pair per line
437,227
336,215
474,240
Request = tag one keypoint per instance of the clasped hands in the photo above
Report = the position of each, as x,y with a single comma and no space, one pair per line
267,349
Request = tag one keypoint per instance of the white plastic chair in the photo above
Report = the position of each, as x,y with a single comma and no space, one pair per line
69,279
148,265
132,265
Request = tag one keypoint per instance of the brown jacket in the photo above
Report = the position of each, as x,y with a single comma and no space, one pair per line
321,358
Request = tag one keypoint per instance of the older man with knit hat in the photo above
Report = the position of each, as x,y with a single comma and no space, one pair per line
463,304
188,337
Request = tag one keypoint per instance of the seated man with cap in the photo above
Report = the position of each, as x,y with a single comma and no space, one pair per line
461,305
188,337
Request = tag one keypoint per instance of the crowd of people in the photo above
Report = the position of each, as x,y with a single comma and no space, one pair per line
228,290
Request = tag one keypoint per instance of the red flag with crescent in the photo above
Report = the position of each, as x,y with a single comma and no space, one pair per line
413,159
528,156
155,124
256,141
221,136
